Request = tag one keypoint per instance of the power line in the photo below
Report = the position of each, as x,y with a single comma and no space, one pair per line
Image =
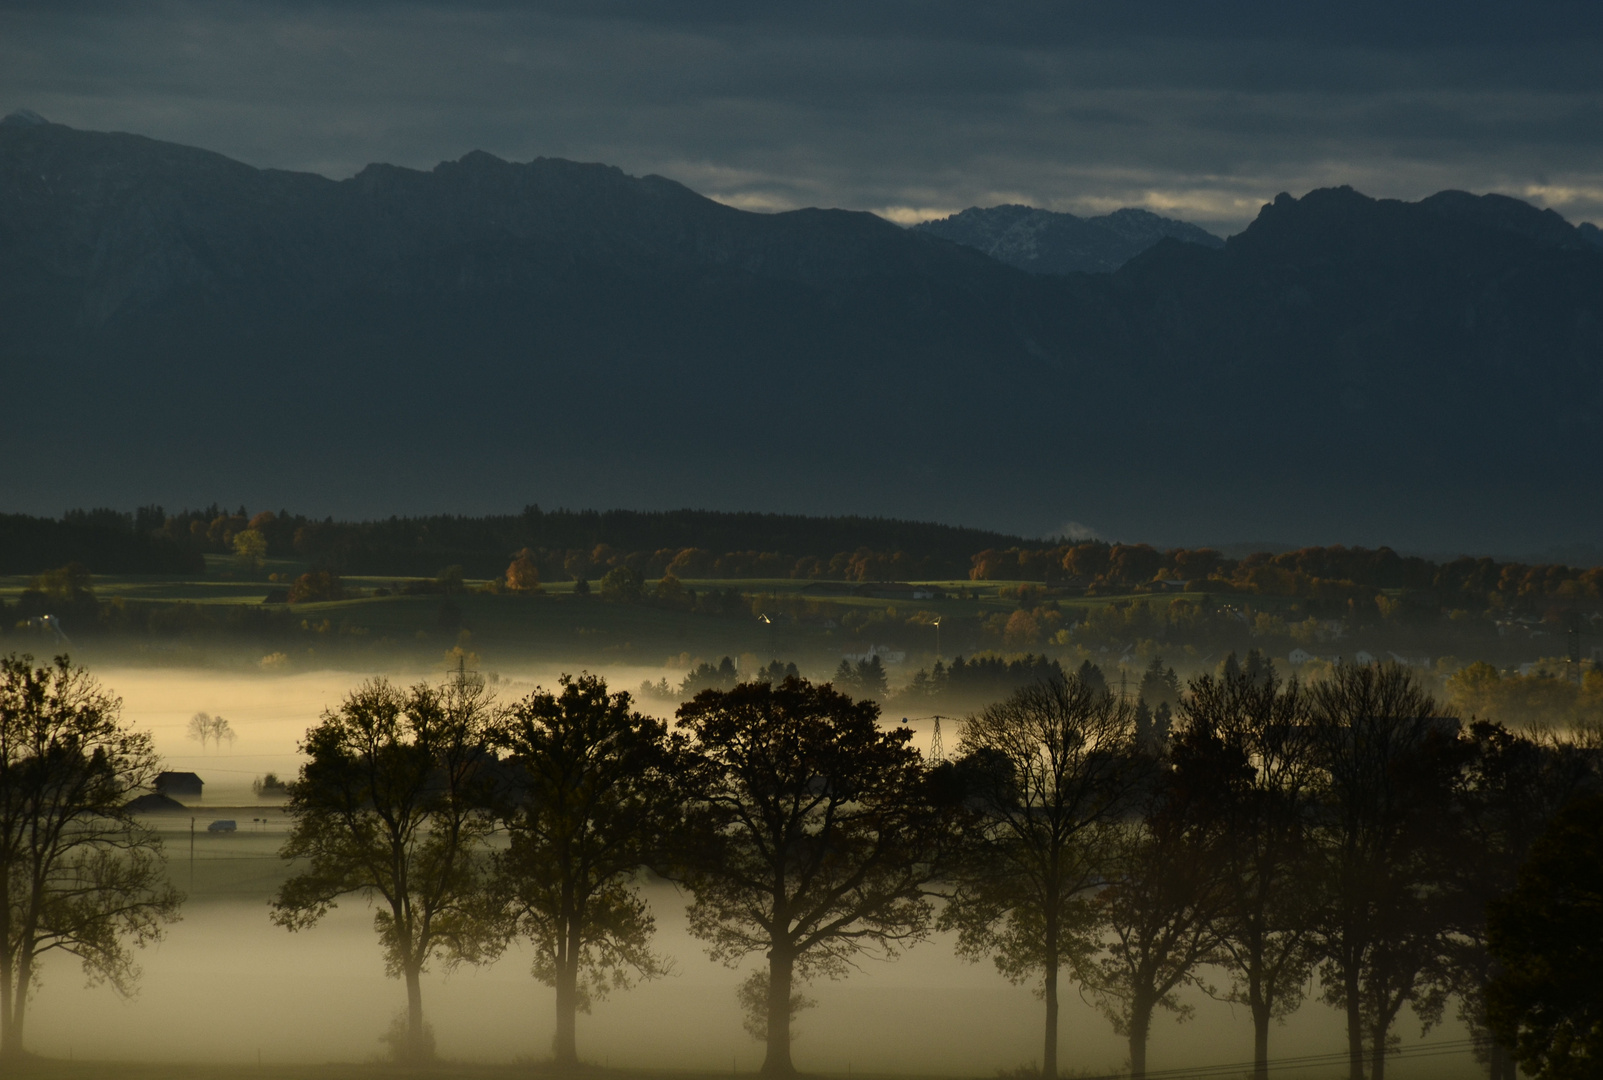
1306,1061
937,748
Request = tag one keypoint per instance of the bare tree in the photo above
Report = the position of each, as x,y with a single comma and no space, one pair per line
1391,763
204,728
1246,755
810,836
395,804
81,875
1052,771
1160,906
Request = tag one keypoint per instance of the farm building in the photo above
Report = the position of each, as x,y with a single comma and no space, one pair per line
173,784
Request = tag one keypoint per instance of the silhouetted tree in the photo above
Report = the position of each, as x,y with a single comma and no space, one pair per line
394,803
81,875
1161,901
1092,677
777,672
204,728
1512,790
1160,685
1390,763
706,677
1051,772
591,803
811,834
1246,757
866,678
1547,938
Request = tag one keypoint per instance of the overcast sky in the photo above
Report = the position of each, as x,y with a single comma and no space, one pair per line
911,109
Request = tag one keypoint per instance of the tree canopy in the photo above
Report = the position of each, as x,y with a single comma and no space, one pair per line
591,802
393,804
810,836
79,874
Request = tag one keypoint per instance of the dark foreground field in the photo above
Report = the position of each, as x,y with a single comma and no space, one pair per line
48,1069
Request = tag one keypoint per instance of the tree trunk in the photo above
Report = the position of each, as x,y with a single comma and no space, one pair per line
1355,1022
1377,1050
8,1048
565,1046
781,970
1140,1026
16,986
1049,1052
1502,1062
415,1050
1261,1016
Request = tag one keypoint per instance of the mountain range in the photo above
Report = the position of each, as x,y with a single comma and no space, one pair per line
175,325
1046,242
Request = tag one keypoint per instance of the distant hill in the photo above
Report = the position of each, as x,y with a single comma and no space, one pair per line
178,327
1046,242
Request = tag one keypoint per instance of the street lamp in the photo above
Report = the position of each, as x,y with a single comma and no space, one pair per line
937,625
773,650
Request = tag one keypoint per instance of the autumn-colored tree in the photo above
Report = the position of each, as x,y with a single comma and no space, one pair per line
250,549
1023,631
523,575
316,586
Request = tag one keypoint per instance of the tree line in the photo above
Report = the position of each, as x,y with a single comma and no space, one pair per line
30,545
565,543
1327,579
1272,831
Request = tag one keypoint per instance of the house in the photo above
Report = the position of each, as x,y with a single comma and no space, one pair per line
173,784
1300,656
151,804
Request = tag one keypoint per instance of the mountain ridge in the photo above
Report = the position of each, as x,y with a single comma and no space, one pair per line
1345,369
1049,242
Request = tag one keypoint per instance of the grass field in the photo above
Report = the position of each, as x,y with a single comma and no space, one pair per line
504,631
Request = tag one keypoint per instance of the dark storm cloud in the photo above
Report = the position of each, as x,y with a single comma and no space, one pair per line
1201,109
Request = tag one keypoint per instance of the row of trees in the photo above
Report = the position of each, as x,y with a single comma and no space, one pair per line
1326,578
563,544
1348,829
801,828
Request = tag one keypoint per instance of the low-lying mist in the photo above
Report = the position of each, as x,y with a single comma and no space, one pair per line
228,986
